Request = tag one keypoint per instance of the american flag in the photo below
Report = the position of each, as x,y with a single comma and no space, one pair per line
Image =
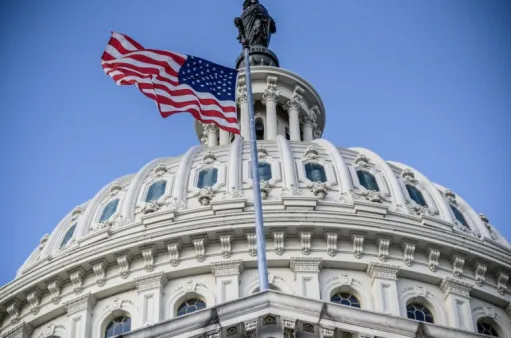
177,82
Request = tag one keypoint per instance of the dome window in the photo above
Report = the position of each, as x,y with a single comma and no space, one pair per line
486,328
416,195
259,129
367,180
68,236
419,312
109,210
190,306
459,216
264,170
207,178
345,298
315,172
118,326
156,190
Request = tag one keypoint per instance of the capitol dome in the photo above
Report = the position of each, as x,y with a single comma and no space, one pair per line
357,246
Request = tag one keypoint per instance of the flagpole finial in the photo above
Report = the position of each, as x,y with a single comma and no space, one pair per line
255,28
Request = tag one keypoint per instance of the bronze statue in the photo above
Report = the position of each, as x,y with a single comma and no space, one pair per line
255,25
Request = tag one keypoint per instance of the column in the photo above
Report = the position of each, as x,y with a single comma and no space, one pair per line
150,291
224,137
241,98
306,270
227,275
307,125
457,301
210,130
293,110
79,310
384,287
270,98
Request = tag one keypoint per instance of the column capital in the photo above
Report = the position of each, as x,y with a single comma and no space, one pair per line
152,281
241,90
209,128
305,264
381,270
455,286
226,268
293,103
84,302
23,330
306,120
270,94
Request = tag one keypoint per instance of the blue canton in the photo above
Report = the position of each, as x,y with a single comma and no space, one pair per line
207,77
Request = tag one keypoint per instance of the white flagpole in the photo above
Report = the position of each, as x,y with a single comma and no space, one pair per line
262,268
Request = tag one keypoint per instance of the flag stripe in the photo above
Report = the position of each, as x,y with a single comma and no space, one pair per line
157,74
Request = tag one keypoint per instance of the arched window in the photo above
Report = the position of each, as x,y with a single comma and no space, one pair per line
416,195
419,312
67,237
109,210
117,326
190,306
156,190
459,216
345,298
264,171
367,180
207,178
485,327
315,172
259,129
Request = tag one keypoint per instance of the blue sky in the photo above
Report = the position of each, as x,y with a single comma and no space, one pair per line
426,83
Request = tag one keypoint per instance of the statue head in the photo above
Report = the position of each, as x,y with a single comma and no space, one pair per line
248,3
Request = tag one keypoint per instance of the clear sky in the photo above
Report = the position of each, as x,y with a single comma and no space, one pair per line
426,83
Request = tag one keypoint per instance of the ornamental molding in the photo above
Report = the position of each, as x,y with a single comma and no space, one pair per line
209,128
55,288
288,328
34,300
50,330
152,281
484,311
416,209
148,254
455,286
408,252
77,277
208,156
115,188
22,330
308,121
160,169
331,243
362,161
261,151
77,211
417,292
319,189
265,188
205,195
311,153
327,332
14,309
480,269
227,268
458,262
305,241
305,264
250,328
84,302
508,310
408,176
383,244
358,245
99,268
502,279
199,245
271,93
116,304
124,260
433,258
450,196
189,286
226,244
382,270
279,237
241,90
174,248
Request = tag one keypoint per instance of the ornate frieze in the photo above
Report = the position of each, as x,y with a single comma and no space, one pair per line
305,242
148,254
14,309
433,258
457,265
381,270
289,328
383,248
174,248
55,287
22,330
327,332
331,243
358,245
152,281
99,269
480,272
84,302
278,239
199,244
250,328
408,252
502,279
451,285
225,268
77,277
252,244
305,264
225,244
34,300
124,260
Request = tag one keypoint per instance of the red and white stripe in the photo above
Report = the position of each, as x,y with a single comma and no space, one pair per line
155,73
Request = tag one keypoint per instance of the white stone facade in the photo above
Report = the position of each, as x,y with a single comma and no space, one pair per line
322,238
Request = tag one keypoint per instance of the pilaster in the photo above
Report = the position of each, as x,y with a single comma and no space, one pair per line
79,311
227,275
457,301
150,291
384,287
306,270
